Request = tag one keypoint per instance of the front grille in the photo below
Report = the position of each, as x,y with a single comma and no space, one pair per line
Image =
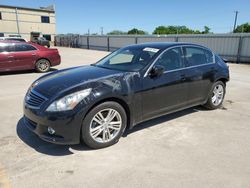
34,99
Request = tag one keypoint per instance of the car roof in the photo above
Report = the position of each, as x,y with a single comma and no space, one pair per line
22,42
164,45
13,41
11,38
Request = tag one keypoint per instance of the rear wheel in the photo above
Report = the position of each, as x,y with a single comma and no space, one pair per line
216,95
42,65
104,125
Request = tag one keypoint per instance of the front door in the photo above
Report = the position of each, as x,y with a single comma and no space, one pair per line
167,92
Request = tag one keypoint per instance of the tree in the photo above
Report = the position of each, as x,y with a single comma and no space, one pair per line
179,30
206,30
173,30
243,28
135,31
117,32
160,30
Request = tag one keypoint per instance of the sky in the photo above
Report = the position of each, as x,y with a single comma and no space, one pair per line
77,16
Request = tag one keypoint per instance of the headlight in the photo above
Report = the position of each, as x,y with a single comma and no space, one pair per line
69,101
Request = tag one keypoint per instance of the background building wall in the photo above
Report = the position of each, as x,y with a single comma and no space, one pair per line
28,21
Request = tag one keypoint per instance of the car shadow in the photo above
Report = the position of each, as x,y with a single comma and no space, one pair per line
23,72
47,148
164,118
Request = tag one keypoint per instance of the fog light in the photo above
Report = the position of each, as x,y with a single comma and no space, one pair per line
51,130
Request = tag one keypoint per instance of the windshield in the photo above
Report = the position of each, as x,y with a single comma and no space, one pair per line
129,58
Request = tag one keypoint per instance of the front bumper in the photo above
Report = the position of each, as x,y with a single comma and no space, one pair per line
67,126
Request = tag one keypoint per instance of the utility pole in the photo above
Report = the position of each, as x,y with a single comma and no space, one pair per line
101,30
88,32
235,19
17,22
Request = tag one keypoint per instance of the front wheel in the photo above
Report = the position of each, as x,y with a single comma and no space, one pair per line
104,125
216,95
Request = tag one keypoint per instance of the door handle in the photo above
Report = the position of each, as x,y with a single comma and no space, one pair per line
33,54
10,57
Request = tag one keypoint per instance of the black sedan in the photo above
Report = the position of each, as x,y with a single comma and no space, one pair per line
96,103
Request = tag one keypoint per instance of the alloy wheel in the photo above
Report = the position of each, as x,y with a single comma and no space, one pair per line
105,125
218,94
43,65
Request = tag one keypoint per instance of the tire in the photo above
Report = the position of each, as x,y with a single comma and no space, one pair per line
216,96
42,65
100,135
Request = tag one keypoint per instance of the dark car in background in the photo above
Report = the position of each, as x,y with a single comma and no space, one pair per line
97,103
27,56
41,41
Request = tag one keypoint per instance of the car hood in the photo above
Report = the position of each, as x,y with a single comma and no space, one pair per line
62,80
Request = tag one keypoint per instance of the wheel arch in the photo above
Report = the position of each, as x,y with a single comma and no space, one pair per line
119,101
223,79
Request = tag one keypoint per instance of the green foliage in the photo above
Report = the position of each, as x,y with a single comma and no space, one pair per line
172,30
206,30
135,31
161,30
117,32
243,28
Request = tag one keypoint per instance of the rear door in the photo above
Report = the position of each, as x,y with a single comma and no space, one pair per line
25,56
6,57
200,72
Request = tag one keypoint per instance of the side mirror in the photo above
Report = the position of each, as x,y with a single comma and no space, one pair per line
156,71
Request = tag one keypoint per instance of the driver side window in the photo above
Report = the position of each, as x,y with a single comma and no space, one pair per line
171,59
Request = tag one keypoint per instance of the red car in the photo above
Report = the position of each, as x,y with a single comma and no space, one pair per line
27,56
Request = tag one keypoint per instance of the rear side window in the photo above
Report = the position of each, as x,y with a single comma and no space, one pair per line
47,37
197,56
171,59
24,47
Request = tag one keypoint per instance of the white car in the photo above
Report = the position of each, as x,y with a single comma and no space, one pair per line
13,39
